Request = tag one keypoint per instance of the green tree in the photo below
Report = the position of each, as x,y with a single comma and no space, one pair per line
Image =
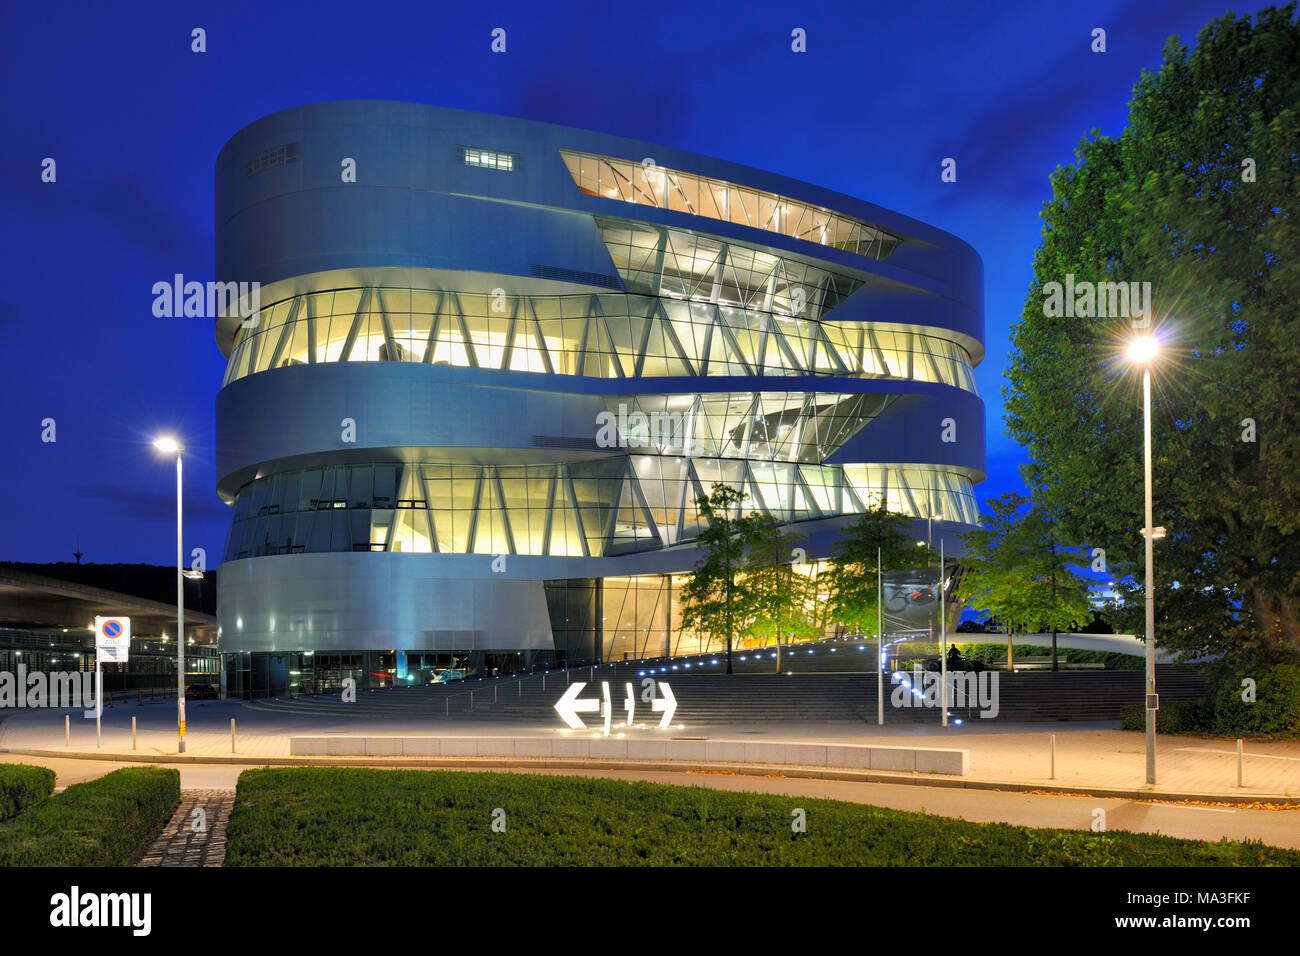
852,578
1198,197
1057,597
992,565
1017,570
717,601
782,596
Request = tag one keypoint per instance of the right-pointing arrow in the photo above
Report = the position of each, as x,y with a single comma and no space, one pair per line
667,703
568,706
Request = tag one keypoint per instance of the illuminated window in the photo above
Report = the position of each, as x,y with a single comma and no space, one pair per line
487,158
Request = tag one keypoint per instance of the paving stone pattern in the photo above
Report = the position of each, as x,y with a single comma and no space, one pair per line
180,845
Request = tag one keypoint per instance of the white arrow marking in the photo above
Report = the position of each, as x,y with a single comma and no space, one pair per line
608,708
630,703
667,703
568,706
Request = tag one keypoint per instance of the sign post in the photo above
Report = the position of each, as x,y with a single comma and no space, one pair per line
112,644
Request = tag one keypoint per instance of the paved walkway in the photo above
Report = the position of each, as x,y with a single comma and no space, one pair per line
196,833
1089,757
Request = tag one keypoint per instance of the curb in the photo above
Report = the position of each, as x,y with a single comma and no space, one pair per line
673,766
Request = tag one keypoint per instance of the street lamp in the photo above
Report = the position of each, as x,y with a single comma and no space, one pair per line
1143,351
170,446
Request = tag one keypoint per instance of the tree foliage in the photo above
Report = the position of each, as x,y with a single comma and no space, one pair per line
1018,570
717,601
852,577
1198,197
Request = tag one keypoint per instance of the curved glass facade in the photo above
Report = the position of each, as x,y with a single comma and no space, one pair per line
579,509
593,335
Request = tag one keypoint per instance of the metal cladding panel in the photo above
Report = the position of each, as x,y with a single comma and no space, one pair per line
912,429
343,601
362,226
298,411
297,217
887,307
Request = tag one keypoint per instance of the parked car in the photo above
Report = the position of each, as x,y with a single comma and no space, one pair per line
201,692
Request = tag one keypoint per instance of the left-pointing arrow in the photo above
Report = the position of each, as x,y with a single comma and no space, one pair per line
568,706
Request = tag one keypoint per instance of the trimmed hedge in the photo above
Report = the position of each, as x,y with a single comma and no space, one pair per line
1172,717
22,785
997,654
1275,709
342,816
102,822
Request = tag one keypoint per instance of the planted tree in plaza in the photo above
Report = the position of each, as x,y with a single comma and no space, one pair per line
1198,197
717,600
1017,570
852,581
782,592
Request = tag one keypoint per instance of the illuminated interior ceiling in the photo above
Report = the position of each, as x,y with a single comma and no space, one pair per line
650,185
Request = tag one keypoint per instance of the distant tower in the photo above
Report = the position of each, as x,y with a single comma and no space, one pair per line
77,554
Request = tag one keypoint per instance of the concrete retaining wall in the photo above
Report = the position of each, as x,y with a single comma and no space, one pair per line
847,756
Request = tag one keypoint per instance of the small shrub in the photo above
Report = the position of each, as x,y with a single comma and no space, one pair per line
102,822
1275,710
22,785
1172,717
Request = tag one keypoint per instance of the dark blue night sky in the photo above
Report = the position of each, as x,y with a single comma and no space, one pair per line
135,120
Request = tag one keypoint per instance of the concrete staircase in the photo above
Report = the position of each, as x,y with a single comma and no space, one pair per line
705,696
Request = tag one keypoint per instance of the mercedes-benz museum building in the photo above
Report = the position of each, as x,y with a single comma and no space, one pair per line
497,361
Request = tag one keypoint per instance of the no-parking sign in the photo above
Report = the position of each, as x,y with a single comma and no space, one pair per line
112,639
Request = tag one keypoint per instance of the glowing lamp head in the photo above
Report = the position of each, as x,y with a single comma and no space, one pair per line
167,445
1143,350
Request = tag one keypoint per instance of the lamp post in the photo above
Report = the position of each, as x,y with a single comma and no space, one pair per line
1142,351
943,631
169,446
880,638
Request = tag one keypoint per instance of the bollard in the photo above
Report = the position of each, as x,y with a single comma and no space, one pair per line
494,693
519,687
1053,756
591,676
139,698
566,677
232,735
471,702
1241,761
446,707
67,731
132,733
543,682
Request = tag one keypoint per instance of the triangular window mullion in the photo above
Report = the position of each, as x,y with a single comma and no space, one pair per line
432,344
670,335
286,332
540,338
362,308
549,525
473,514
